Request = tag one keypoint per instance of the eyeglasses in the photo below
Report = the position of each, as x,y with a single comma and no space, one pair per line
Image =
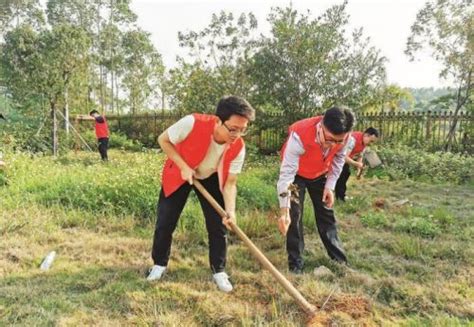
236,131
331,140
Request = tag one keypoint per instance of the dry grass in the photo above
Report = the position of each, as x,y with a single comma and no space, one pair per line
98,275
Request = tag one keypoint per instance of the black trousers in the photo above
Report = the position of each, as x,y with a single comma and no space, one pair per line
341,185
169,210
103,146
325,222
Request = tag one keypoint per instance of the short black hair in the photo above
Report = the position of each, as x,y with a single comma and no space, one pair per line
339,120
372,131
93,112
234,105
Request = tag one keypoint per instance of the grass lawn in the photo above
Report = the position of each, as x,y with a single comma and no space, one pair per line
412,264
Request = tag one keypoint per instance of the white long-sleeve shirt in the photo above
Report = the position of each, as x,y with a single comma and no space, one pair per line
290,164
350,144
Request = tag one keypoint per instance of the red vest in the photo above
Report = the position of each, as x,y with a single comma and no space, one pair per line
101,129
359,143
312,163
193,150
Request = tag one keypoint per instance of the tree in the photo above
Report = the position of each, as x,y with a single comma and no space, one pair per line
217,63
446,28
194,88
13,13
144,68
105,21
42,65
308,64
389,98
78,57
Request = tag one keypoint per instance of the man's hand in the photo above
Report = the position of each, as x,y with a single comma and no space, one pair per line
359,165
328,197
230,219
187,174
284,220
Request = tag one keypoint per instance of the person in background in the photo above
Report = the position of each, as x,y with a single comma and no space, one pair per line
101,133
355,149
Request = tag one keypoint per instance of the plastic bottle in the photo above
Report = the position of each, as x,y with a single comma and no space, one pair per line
48,260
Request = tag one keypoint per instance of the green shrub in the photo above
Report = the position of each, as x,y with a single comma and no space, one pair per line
116,141
402,162
257,187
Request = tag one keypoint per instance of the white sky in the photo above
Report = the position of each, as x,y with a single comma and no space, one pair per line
386,22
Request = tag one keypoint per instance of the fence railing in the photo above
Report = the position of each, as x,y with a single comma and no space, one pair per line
428,130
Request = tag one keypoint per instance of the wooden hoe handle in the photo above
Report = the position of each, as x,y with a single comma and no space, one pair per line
305,305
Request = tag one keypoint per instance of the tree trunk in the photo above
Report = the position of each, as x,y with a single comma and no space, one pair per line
101,88
89,98
66,110
119,109
460,101
111,56
162,100
54,133
112,104
451,138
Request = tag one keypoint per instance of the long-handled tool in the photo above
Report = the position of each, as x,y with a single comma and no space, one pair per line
305,305
75,131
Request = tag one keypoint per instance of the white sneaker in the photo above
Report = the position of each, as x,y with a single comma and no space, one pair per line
222,281
156,272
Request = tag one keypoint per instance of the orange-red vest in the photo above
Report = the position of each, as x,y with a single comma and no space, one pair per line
193,150
359,144
312,163
101,129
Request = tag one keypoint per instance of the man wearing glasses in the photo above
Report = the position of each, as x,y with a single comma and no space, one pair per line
211,149
312,159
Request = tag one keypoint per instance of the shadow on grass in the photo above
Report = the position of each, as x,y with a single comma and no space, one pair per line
118,294
44,297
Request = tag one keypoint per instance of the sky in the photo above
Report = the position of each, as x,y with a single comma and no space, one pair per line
386,22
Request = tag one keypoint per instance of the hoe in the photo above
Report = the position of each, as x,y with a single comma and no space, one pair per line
308,308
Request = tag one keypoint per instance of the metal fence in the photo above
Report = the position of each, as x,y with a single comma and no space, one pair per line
427,130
